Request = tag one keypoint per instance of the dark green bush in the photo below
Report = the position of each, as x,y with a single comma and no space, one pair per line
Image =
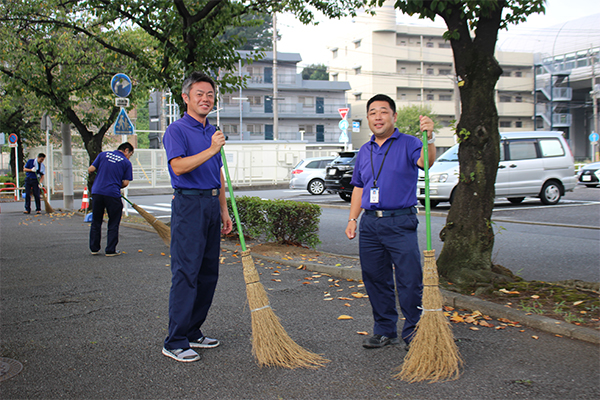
286,222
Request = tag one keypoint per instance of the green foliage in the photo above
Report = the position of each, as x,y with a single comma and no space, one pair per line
286,222
462,135
315,72
256,32
408,119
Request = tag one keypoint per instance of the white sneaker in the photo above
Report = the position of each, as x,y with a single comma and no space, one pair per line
182,355
204,343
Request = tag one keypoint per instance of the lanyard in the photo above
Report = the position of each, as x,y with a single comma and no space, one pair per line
375,178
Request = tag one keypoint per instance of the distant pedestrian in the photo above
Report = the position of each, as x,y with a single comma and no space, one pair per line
198,209
34,176
114,173
385,186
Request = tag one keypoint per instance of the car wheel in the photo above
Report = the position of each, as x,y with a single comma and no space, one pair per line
432,203
550,193
316,186
345,196
516,200
591,186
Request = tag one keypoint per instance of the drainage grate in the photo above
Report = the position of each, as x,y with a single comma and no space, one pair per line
9,368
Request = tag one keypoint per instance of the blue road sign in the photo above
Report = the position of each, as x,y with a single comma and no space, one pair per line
123,126
343,137
121,85
343,124
594,137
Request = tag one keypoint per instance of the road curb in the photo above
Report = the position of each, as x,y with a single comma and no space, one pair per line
457,300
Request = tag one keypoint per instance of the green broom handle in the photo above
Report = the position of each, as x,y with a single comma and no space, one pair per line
427,205
232,198
127,200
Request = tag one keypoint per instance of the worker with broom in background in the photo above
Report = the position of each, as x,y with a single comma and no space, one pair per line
34,175
385,186
114,173
198,209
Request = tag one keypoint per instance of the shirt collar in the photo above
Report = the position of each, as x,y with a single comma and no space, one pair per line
395,135
193,121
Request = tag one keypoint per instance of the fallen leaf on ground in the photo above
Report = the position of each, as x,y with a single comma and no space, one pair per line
535,337
343,316
357,295
362,333
473,328
578,302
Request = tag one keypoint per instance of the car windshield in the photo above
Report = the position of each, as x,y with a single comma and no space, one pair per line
451,155
344,158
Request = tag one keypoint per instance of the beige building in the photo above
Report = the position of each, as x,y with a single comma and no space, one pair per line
414,66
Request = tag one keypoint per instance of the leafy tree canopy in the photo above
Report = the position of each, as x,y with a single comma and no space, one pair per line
408,119
315,72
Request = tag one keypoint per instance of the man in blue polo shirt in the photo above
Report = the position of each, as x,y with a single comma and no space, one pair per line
34,175
385,186
114,173
198,209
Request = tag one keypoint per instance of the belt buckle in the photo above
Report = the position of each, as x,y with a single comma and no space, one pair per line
214,192
378,213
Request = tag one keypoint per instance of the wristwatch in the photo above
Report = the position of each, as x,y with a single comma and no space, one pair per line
432,140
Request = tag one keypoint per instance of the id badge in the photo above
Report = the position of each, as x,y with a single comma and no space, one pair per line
375,195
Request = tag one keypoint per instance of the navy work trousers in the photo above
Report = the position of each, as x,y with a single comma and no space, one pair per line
195,247
388,245
114,209
32,186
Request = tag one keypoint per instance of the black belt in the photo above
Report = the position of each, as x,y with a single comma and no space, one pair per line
391,213
198,192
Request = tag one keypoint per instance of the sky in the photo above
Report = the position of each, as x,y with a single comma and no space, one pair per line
311,41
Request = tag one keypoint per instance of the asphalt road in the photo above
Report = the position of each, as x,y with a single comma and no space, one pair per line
554,243
91,327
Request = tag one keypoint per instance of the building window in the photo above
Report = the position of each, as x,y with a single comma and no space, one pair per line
418,71
445,71
226,100
357,70
519,74
518,124
334,53
358,96
505,99
419,97
254,129
444,45
505,124
308,129
445,97
429,44
230,129
334,77
518,99
429,71
307,102
357,43
506,73
254,100
430,97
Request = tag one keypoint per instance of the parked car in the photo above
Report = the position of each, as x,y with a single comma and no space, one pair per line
339,174
309,174
536,164
589,175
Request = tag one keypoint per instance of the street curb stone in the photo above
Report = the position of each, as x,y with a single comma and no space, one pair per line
457,300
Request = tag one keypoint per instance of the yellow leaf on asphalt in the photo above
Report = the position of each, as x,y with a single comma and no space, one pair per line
328,298
162,254
578,302
473,328
357,295
456,318
535,337
362,333
347,305
535,296
140,250
343,316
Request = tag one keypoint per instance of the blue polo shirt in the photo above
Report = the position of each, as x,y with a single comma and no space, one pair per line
113,168
397,182
187,137
41,170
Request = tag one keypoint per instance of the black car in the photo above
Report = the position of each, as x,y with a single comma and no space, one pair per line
339,174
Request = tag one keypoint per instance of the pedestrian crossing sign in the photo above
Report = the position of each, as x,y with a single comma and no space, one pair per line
124,126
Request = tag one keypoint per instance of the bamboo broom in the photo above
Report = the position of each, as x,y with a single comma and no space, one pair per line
161,228
47,206
433,355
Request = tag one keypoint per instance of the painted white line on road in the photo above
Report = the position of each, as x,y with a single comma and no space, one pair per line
538,207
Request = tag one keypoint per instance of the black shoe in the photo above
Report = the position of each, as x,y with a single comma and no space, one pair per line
377,341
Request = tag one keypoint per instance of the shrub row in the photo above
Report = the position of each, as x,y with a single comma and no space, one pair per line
287,222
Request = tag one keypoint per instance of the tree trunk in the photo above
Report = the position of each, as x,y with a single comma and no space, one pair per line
468,235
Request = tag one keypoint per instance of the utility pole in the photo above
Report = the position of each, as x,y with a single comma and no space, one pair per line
67,161
275,111
595,100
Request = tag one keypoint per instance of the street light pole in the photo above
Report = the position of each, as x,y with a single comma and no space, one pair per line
275,111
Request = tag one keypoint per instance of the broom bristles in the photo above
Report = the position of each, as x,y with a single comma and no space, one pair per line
433,354
160,227
271,345
47,206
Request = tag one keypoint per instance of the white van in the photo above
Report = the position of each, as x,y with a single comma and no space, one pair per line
536,164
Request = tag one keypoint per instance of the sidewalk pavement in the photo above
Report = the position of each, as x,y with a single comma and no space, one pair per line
88,326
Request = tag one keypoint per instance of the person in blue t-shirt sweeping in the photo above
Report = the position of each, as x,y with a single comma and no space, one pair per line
114,173
198,210
34,176
385,186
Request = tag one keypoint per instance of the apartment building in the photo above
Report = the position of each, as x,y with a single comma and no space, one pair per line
414,66
306,109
